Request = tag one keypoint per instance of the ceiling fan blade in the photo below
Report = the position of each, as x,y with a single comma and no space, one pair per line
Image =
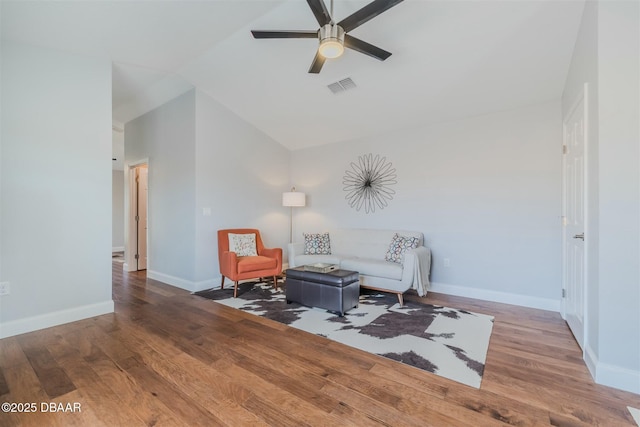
317,63
368,12
258,34
320,11
366,48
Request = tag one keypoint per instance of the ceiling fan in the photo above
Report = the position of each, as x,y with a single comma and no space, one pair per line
333,37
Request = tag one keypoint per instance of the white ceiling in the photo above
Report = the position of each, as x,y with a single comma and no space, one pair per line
451,59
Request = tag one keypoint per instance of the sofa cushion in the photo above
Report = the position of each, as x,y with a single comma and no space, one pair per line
366,243
317,244
373,267
398,246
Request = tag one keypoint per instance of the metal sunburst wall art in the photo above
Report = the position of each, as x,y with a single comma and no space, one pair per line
368,183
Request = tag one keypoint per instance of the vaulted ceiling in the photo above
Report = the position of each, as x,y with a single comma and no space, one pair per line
450,59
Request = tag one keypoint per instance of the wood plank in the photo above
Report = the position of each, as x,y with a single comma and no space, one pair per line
84,417
155,388
4,387
25,387
384,414
167,357
560,403
306,389
97,396
209,388
283,401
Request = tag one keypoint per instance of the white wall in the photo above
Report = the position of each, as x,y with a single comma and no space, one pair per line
166,137
607,56
117,210
56,186
240,174
484,191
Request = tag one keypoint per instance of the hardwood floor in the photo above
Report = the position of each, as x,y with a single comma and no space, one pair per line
166,357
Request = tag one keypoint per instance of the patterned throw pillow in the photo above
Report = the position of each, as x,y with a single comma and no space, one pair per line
243,244
317,244
399,245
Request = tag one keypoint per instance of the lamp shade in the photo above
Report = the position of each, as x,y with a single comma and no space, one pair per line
293,199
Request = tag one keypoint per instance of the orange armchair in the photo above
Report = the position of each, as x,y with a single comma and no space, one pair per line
267,263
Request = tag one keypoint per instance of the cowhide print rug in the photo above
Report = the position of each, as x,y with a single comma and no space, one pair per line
445,341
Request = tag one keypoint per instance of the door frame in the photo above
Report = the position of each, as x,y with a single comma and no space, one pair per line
583,97
142,207
131,232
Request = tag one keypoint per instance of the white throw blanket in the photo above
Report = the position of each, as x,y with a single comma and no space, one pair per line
421,268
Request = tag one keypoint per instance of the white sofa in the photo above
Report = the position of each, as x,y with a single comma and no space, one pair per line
363,250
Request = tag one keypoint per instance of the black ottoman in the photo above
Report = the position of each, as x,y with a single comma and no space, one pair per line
336,291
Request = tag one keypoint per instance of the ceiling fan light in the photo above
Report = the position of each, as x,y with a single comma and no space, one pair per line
331,41
331,48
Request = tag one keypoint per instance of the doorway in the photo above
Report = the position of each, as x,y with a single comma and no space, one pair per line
574,216
137,228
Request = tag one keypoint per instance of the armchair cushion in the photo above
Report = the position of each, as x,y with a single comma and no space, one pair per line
243,244
255,263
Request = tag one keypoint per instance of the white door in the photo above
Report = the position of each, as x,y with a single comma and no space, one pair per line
574,173
141,216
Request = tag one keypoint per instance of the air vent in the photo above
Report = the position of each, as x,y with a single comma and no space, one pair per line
342,85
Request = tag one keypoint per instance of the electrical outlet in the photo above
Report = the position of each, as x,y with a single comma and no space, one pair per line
447,262
5,288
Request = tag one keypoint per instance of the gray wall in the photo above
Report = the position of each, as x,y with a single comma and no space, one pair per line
485,192
619,153
56,186
240,174
584,69
166,137
201,155
607,56
117,210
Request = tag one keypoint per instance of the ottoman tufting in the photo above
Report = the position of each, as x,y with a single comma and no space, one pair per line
336,291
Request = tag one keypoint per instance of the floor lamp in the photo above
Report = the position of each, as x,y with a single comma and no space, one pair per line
292,199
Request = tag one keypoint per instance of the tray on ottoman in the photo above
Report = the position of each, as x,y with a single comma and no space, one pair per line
336,290
320,267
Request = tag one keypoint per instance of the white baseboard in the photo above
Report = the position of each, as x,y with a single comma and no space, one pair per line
591,360
617,377
42,321
208,284
496,296
188,285
117,249
635,414
611,375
